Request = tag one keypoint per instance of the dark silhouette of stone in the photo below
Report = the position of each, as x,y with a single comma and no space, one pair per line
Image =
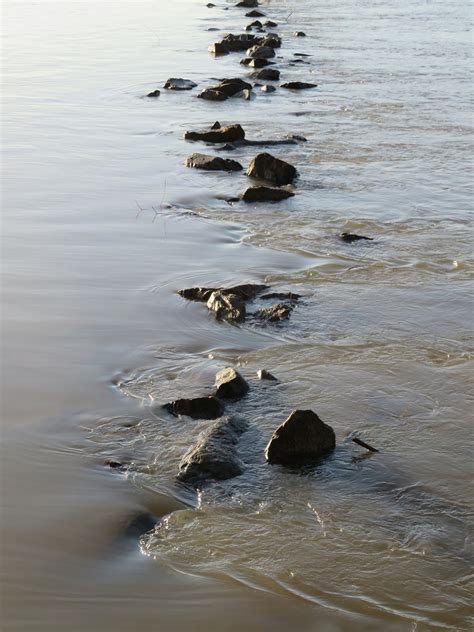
260,52
212,163
225,306
350,237
226,134
298,85
299,34
233,86
267,167
268,88
230,385
267,74
274,314
197,407
255,14
281,296
255,24
139,524
180,84
301,440
211,94
255,63
247,4
201,294
246,292
154,94
214,456
270,24
216,125
266,194
273,40
263,374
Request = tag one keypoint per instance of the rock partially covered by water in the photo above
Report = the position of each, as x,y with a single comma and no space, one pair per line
180,84
281,296
263,374
211,94
351,237
247,4
246,291
212,163
274,314
196,407
298,85
265,194
214,455
267,167
154,94
301,440
267,74
272,40
268,88
230,385
255,63
255,14
231,43
225,134
270,24
227,306
260,52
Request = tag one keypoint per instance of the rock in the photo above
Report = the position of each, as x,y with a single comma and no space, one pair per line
227,147
260,52
268,74
255,14
227,306
255,24
115,465
266,194
218,48
201,294
212,163
154,94
248,4
197,407
226,134
263,374
301,440
267,167
350,237
212,95
209,5
301,55
281,296
230,385
274,314
255,63
298,85
216,125
300,139
246,292
299,34
269,24
180,84
268,88
214,455
273,40
245,94
231,87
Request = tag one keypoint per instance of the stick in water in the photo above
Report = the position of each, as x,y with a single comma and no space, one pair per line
364,445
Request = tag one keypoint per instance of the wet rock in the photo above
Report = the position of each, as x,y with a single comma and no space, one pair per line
255,24
267,167
245,94
299,34
196,408
231,87
274,314
350,237
231,43
255,14
212,28
154,94
274,41
226,134
212,163
246,292
247,4
296,137
301,440
216,125
281,296
263,374
218,48
180,84
210,94
298,85
115,465
270,24
226,306
265,194
214,456
255,63
268,74
201,294
260,52
268,88
230,385
301,55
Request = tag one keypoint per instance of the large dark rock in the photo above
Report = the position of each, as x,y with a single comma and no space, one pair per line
268,88
230,384
231,87
273,40
301,440
267,74
247,4
298,85
255,14
351,237
255,63
214,455
212,163
267,167
263,374
231,43
226,306
197,407
211,94
270,24
265,194
274,314
246,292
180,84
260,52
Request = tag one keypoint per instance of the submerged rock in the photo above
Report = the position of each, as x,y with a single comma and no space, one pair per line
196,408
267,74
267,167
226,134
281,296
298,85
212,163
180,84
139,524
263,374
268,88
265,194
214,455
154,94
270,24
350,237
230,384
274,314
227,306
301,440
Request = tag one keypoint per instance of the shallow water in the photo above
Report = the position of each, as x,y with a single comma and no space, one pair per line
101,223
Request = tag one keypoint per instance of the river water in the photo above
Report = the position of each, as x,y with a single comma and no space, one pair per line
102,223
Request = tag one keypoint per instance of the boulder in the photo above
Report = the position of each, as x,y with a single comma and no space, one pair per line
213,457
180,84
260,52
216,125
298,85
350,237
231,43
227,306
230,385
210,94
233,86
197,407
255,63
154,94
268,88
273,40
226,134
270,24
255,14
263,374
267,74
267,167
212,163
218,48
201,294
274,314
247,4
265,194
300,440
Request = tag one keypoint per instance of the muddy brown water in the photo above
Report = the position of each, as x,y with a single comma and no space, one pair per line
102,223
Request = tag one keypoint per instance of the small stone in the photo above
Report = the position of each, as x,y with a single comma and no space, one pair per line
230,385
226,306
196,408
255,24
298,85
255,14
299,34
180,84
212,163
114,465
201,294
266,167
268,88
216,125
274,314
218,48
248,4
266,194
263,374
301,440
281,296
273,40
154,94
209,5
269,24
268,74
350,237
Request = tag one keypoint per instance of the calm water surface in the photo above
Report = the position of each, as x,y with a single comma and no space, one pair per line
102,223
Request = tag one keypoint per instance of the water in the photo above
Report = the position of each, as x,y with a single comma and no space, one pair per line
101,223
